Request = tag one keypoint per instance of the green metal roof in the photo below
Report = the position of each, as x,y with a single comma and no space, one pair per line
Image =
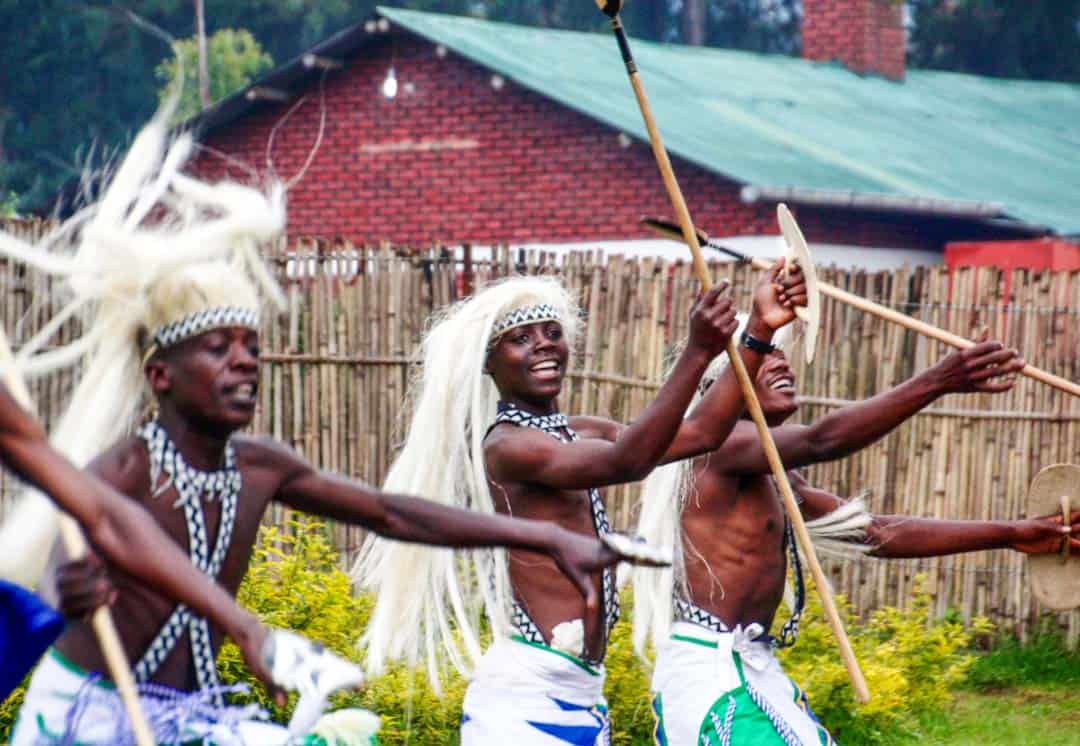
775,121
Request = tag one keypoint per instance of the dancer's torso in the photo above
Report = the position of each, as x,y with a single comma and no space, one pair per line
733,545
140,612
540,587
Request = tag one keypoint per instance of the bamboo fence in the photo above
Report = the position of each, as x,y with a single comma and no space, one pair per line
337,366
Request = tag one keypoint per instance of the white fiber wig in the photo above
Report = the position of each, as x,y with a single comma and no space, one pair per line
428,600
664,494
156,247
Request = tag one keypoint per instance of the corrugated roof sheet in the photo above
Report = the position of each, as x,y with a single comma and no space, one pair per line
778,121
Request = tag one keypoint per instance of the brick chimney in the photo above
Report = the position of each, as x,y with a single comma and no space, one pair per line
865,36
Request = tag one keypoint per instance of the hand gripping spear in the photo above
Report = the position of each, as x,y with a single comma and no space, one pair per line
670,230
75,545
611,9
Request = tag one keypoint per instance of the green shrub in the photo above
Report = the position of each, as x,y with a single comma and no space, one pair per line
627,686
1043,660
295,582
911,665
9,709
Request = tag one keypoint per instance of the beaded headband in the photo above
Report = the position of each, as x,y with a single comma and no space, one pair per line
521,317
198,322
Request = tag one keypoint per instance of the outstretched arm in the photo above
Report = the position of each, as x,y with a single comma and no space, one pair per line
986,367
420,521
898,536
123,531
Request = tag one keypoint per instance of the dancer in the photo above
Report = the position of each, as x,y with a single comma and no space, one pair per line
716,679
486,431
173,313
123,532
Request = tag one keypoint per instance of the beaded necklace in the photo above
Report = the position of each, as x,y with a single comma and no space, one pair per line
558,427
192,487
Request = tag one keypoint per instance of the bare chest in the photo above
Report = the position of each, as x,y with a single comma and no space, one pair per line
571,509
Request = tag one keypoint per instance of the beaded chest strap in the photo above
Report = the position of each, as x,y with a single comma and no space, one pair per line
192,487
557,426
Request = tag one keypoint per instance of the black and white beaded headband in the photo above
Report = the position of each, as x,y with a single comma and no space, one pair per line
521,317
198,322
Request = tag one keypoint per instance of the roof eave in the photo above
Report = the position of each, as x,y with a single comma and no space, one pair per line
313,61
992,214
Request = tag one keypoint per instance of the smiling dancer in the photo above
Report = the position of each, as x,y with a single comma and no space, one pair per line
487,431
173,314
716,680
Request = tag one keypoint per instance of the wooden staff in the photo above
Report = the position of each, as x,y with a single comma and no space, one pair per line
862,693
75,545
670,230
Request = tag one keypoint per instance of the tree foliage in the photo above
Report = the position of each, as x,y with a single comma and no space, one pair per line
1037,39
234,59
76,79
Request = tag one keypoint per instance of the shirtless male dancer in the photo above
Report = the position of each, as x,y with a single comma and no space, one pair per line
487,428
177,313
122,531
716,679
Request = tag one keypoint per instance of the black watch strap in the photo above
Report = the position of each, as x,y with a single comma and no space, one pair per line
755,344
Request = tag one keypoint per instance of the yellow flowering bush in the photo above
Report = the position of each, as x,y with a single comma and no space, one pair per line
295,581
9,709
911,665
627,685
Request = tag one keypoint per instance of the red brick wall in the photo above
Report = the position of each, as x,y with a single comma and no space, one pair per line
866,36
498,166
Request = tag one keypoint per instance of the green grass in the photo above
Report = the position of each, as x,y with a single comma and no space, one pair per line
1044,660
1028,715
1013,695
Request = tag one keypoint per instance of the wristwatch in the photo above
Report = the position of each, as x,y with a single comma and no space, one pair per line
755,344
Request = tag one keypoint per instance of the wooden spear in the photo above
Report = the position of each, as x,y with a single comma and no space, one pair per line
670,230
75,545
611,9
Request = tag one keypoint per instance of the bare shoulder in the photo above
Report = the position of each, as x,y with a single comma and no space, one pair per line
266,452
125,466
724,460
508,449
602,428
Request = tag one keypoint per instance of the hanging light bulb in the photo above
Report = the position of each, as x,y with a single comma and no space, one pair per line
390,85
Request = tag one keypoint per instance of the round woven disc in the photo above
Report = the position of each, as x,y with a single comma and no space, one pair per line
800,253
1055,583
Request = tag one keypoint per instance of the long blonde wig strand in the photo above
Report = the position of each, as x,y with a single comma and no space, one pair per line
150,222
429,600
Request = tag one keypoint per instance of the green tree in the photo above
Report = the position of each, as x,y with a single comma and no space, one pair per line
1034,39
234,59
770,26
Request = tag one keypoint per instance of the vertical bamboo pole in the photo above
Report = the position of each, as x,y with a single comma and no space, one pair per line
832,614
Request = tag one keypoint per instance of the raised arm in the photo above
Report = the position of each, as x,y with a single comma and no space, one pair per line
898,536
123,531
710,423
986,367
620,454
